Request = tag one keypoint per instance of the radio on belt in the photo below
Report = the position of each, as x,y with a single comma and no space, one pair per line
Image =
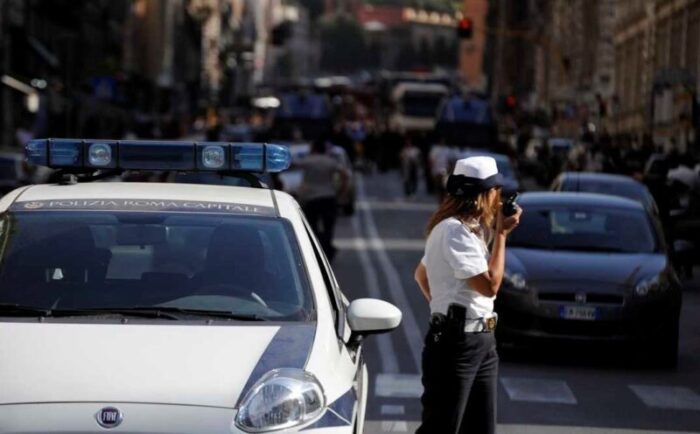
157,155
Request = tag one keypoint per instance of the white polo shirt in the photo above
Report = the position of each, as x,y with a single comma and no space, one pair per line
453,254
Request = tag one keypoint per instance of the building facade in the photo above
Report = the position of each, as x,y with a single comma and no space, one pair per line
405,37
657,48
472,51
576,79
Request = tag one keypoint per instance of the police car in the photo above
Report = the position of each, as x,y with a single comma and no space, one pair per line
146,307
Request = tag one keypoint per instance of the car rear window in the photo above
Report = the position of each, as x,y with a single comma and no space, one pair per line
81,260
585,229
627,190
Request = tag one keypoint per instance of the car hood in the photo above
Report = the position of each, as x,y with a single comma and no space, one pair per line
165,364
557,265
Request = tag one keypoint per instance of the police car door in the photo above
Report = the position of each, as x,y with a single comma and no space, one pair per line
339,305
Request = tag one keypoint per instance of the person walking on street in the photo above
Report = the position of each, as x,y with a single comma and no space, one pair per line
410,166
460,278
318,193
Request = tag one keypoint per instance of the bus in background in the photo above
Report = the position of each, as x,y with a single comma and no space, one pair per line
414,106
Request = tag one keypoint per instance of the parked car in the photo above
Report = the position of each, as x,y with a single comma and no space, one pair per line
605,183
150,307
590,267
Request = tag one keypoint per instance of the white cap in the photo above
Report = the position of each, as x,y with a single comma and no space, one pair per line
473,175
476,167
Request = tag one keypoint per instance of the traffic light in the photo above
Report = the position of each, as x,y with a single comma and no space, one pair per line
508,104
465,28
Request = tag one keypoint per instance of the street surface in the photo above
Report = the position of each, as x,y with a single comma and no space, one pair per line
580,390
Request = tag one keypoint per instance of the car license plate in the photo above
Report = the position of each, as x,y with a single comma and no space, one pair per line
584,313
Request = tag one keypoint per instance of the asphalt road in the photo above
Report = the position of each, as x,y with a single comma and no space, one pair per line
562,390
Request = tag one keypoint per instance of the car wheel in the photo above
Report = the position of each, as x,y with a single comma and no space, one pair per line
665,355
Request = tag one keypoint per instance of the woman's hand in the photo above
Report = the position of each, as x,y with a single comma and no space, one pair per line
505,225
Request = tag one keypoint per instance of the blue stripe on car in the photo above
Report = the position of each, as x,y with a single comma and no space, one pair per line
342,413
345,405
328,420
289,348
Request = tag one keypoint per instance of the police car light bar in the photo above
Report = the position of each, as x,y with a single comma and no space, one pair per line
157,155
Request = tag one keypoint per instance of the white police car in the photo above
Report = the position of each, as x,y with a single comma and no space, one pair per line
172,308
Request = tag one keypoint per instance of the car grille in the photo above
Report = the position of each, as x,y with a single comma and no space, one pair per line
593,298
599,329
558,327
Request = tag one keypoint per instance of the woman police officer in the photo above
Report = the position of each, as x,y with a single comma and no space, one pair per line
460,278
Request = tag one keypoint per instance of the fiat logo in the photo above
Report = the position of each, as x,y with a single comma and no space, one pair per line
109,417
33,205
580,297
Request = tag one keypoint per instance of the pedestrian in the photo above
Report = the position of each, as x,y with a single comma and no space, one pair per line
460,278
318,192
410,167
438,166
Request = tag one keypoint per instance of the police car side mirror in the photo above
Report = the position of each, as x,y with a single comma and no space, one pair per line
368,316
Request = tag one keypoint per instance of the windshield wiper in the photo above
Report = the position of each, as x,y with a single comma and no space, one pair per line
113,311
157,312
173,312
11,309
8,309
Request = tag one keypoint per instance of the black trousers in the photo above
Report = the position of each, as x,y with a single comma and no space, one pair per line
321,214
460,372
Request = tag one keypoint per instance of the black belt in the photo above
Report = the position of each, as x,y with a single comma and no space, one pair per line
456,319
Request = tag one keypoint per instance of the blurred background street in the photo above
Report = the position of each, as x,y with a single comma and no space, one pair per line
397,91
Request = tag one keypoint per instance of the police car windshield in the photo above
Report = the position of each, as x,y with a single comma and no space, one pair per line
72,260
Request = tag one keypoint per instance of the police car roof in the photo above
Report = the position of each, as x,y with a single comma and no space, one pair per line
148,191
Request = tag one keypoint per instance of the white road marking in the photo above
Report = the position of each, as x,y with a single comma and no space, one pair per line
399,244
377,427
667,397
394,426
387,354
409,325
396,206
538,390
551,429
393,410
398,386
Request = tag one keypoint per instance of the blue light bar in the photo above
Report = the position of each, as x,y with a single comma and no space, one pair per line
157,155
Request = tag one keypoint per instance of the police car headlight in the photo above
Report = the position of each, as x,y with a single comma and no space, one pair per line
515,281
281,399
